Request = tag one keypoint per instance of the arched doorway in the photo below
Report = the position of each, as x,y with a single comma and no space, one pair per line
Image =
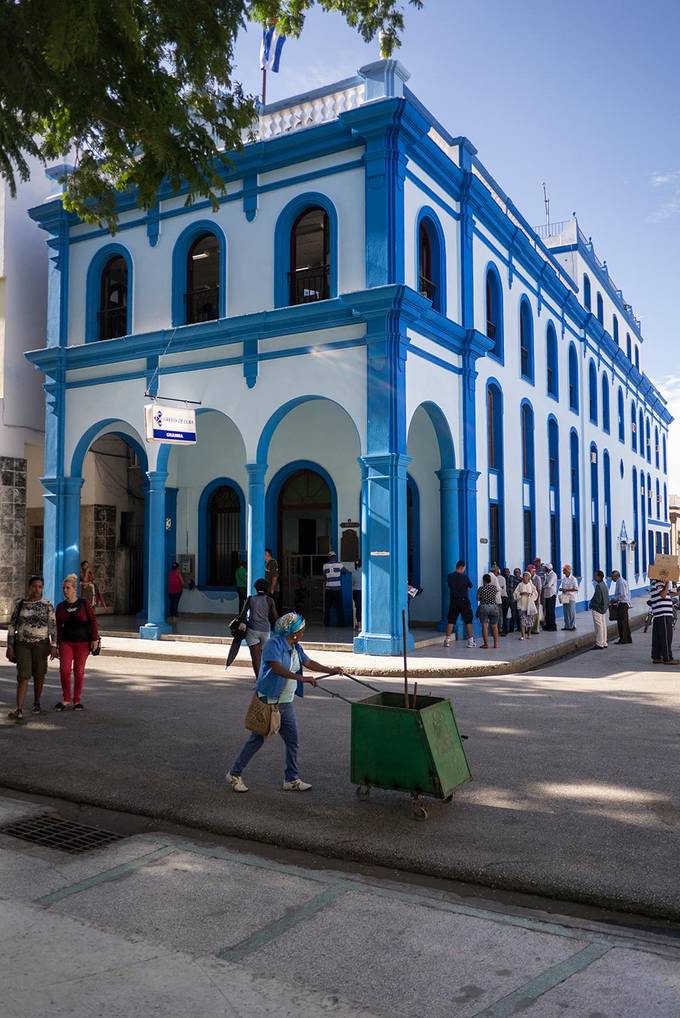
304,532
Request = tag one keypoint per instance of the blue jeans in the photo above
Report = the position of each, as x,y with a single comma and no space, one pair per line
569,615
288,732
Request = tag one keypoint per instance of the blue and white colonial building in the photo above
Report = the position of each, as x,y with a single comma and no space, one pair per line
375,336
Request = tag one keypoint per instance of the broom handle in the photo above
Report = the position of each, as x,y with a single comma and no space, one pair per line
403,640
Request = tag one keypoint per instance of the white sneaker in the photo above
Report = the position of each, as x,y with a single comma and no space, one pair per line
471,644
296,786
237,782
447,642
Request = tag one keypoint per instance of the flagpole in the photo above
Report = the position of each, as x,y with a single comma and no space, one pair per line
264,86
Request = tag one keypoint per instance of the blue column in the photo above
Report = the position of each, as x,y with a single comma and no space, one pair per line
449,495
71,494
383,554
156,623
255,522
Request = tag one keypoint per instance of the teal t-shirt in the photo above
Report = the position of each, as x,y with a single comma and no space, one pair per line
241,577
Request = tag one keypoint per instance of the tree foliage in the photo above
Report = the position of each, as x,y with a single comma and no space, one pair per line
137,92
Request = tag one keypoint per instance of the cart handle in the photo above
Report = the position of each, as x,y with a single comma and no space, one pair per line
366,684
337,696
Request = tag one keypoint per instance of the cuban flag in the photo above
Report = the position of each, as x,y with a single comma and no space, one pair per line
270,49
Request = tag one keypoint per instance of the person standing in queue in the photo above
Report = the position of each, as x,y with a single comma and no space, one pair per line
460,585
175,589
31,640
621,600
241,583
260,615
271,574
77,635
549,598
599,606
662,623
280,680
568,595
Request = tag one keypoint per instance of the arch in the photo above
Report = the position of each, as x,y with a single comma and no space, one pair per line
287,218
573,379
621,412
552,365
434,286
656,447
592,392
606,420
607,482
108,426
526,340
528,479
615,329
495,463
442,430
599,304
554,490
575,487
587,296
204,529
93,288
274,491
270,427
595,506
180,255
493,296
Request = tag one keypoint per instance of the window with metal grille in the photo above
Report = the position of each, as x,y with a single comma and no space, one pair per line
309,276
494,534
224,532
37,550
112,316
573,379
202,299
494,312
528,536
526,341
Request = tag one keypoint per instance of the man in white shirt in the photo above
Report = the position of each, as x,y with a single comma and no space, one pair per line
332,573
621,599
568,595
549,598
498,580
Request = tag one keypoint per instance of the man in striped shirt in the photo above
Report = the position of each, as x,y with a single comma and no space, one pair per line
662,623
332,574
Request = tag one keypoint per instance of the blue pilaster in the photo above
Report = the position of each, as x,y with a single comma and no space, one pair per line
255,522
449,502
156,624
71,499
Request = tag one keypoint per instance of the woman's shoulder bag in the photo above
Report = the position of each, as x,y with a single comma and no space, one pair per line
263,718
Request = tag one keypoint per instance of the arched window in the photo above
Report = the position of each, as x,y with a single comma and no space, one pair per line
622,416
431,268
658,499
606,420
526,341
552,374
641,438
113,299
528,480
554,493
643,517
664,455
648,441
413,531
595,507
575,504
600,309
494,431
592,392
665,502
573,379
637,357
494,312
633,427
309,275
650,509
615,329
636,527
606,474
656,447
587,300
202,296
629,348
220,513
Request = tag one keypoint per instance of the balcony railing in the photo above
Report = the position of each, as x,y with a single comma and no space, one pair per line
112,322
427,288
307,286
202,305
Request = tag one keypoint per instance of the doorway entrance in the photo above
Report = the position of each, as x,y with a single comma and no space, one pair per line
304,514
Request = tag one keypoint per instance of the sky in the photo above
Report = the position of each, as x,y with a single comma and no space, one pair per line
581,94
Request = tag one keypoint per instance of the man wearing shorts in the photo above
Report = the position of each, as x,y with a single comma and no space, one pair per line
459,605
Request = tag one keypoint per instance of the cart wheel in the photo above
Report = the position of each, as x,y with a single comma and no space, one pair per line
419,812
363,792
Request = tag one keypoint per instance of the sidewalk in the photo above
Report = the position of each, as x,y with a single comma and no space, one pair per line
159,924
512,657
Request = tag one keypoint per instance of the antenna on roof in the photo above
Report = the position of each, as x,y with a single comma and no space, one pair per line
546,202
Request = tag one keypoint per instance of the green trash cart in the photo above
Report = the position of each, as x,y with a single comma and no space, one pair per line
416,749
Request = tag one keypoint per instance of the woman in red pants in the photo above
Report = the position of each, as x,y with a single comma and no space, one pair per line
77,635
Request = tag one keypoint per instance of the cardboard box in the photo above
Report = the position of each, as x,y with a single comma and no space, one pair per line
665,567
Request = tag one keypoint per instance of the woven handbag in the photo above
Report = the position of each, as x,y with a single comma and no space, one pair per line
263,718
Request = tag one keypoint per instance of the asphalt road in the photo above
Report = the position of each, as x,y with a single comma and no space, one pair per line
576,790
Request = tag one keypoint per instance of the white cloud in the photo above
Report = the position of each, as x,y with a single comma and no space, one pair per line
670,180
669,387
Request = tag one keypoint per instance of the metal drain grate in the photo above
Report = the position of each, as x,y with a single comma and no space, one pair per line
53,831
